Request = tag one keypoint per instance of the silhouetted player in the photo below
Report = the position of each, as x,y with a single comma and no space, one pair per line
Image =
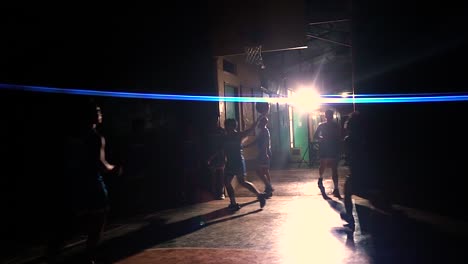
355,143
328,136
235,163
85,155
218,161
263,142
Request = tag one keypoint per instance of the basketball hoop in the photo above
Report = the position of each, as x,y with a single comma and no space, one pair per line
254,56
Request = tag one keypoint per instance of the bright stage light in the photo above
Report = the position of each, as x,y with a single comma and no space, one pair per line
306,100
345,94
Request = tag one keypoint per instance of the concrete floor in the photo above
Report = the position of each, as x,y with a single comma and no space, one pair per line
297,225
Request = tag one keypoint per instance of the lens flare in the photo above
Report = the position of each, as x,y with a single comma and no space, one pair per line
304,100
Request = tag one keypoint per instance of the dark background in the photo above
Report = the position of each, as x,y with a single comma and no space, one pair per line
405,47
159,48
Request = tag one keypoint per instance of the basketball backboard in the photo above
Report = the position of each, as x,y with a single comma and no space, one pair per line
275,25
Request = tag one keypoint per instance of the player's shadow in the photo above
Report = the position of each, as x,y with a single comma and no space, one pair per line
158,230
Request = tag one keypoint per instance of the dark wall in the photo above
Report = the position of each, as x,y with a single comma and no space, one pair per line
402,47
106,47
118,48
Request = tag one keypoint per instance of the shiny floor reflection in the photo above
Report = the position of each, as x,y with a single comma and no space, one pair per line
313,233
302,229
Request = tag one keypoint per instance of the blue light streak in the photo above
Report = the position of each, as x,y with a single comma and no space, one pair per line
324,99
397,99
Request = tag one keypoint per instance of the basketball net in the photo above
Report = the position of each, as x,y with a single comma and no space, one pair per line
254,55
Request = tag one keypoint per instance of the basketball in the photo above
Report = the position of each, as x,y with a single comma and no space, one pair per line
262,107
